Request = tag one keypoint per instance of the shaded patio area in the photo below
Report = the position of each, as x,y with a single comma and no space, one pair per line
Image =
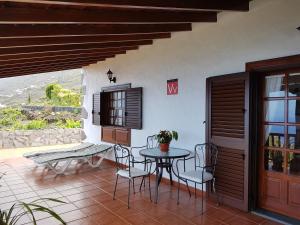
88,196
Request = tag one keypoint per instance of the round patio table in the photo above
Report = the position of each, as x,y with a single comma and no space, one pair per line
163,160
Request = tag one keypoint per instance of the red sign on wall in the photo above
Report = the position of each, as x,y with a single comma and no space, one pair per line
172,87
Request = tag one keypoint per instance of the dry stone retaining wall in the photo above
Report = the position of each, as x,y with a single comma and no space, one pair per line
34,138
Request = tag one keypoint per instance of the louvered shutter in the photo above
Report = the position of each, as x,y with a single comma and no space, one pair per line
227,127
104,108
133,108
96,109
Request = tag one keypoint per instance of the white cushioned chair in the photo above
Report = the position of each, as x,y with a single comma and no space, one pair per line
125,163
205,161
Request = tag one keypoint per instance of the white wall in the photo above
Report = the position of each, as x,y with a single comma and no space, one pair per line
268,30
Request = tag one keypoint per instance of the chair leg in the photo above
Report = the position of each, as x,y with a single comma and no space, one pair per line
128,206
187,185
178,191
143,180
215,191
195,190
202,198
115,187
133,186
149,188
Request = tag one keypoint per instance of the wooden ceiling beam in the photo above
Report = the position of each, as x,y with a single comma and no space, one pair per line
37,59
217,5
45,65
34,56
30,13
71,47
21,63
43,41
54,30
37,71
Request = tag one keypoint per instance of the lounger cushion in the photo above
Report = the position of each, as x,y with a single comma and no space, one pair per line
196,176
71,149
60,156
134,172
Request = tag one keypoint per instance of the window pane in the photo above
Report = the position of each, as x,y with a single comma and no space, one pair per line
294,84
273,160
274,136
294,137
294,163
275,86
274,111
294,111
119,104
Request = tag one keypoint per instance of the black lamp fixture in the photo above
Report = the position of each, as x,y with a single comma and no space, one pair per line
110,76
298,28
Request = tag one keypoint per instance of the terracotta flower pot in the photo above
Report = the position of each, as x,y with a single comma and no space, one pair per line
164,147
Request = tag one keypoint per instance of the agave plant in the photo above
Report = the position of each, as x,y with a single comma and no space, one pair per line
21,209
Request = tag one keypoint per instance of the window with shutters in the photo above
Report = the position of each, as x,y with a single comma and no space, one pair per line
118,110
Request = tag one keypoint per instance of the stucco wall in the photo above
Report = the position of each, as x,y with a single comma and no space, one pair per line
268,30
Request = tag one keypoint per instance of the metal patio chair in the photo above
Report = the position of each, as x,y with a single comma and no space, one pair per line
205,161
125,168
151,143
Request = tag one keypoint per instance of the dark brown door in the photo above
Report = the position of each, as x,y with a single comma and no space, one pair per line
279,151
227,127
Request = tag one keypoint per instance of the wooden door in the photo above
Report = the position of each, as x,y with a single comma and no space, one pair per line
279,150
227,127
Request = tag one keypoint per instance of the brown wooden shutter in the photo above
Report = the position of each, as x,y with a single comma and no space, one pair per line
104,108
96,109
227,127
133,108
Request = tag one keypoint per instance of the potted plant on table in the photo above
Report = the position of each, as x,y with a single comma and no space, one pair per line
164,138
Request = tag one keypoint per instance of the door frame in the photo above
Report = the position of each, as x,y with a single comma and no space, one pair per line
256,69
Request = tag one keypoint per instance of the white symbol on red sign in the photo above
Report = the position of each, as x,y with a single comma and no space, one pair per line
172,87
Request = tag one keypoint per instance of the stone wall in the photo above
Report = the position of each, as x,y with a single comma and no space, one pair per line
34,138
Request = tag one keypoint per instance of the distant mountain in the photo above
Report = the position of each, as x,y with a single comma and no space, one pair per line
16,90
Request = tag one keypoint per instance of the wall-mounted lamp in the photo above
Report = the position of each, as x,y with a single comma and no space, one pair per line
110,76
298,28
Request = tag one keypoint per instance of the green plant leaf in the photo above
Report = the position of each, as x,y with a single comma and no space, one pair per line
27,207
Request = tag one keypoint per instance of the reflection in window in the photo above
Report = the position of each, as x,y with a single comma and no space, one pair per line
294,137
294,84
274,136
294,163
275,86
274,111
294,111
273,160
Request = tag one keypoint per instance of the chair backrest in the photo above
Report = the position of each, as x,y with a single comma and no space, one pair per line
152,141
122,157
206,155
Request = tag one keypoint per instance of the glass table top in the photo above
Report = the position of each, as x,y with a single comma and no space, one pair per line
171,154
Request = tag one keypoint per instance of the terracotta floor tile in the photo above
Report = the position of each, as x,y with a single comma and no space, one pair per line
73,215
26,196
238,220
270,222
205,220
88,194
7,199
64,208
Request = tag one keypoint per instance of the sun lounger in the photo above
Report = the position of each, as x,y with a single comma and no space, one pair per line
52,159
79,147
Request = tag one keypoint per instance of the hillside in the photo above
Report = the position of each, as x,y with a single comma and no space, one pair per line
15,90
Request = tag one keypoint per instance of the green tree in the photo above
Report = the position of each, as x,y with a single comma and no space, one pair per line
57,95
50,88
